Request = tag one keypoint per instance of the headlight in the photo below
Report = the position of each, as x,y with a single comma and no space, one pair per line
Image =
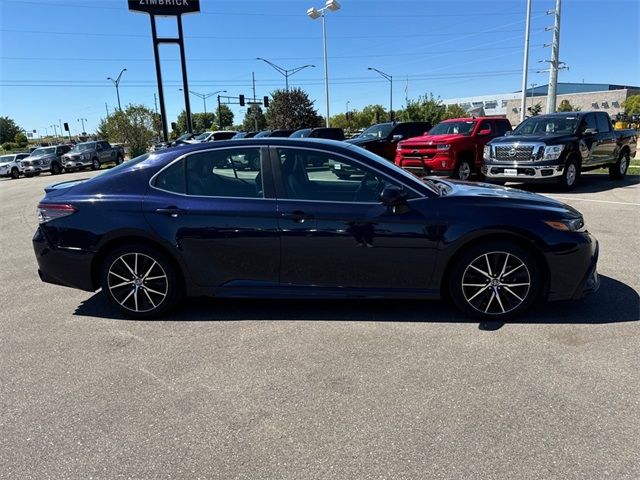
553,152
487,152
569,225
444,146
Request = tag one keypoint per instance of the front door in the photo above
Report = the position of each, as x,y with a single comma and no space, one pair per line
214,211
335,233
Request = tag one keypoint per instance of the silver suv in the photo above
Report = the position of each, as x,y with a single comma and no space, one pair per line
44,159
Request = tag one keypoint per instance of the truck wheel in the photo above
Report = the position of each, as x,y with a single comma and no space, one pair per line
463,170
570,175
15,173
55,168
95,164
619,169
119,160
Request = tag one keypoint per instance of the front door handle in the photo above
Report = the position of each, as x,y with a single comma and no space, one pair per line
297,216
171,211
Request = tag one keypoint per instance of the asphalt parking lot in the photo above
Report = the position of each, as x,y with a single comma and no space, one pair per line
239,389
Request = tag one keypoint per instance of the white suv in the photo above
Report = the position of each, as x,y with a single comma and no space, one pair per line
10,165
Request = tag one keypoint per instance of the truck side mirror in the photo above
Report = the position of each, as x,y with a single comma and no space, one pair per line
590,131
485,132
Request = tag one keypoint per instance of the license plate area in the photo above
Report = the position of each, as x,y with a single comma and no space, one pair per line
510,172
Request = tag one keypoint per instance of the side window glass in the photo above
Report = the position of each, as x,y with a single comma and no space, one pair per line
603,122
501,128
486,126
589,121
172,179
228,172
322,176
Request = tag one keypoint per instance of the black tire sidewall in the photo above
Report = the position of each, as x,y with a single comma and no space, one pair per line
55,168
15,173
174,287
461,263
614,169
457,171
93,164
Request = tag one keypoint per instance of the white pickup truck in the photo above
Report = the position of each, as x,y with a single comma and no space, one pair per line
10,165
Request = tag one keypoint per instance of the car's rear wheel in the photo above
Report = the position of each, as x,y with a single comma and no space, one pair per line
495,281
95,164
619,169
140,281
15,173
119,160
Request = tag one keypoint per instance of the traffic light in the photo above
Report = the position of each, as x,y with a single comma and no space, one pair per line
241,98
174,125
66,127
265,101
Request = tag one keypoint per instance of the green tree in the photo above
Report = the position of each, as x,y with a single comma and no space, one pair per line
254,119
203,121
632,105
134,127
340,121
565,106
8,129
426,109
225,117
291,110
535,110
370,115
455,111
21,139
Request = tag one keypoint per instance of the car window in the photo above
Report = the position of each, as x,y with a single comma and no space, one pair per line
589,121
323,176
228,172
402,129
485,125
603,122
418,130
172,178
502,127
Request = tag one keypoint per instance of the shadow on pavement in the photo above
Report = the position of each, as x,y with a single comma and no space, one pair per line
588,183
614,302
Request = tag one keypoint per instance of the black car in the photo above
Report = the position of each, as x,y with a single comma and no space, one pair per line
273,133
320,132
182,222
383,138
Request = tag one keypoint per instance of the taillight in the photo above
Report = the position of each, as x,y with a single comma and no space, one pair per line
51,211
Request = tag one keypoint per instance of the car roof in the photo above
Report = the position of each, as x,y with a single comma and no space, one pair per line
472,119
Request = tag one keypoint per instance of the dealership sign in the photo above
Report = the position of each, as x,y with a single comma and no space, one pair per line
165,7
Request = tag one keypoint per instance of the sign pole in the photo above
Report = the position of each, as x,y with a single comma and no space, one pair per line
185,83
156,53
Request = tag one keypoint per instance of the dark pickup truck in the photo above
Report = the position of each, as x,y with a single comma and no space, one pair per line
557,147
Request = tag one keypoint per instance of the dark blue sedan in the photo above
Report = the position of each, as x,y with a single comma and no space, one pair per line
203,220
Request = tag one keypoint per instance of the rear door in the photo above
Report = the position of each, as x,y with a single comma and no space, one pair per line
220,216
606,138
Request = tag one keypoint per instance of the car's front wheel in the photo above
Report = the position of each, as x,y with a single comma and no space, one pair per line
140,281
463,169
570,174
55,168
95,164
15,173
494,281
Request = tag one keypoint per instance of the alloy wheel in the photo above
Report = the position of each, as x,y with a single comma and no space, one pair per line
496,283
623,164
464,171
137,282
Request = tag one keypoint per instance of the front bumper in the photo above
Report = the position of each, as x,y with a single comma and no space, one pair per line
427,163
522,173
573,270
33,169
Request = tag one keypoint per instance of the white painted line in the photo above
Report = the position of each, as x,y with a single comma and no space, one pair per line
597,201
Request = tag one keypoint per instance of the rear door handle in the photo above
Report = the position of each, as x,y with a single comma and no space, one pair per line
171,211
297,216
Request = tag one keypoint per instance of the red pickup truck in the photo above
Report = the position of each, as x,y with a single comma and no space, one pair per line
452,148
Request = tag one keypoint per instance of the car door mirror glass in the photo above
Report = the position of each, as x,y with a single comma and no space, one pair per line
393,196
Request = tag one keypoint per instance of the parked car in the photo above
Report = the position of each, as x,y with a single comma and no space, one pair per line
181,140
44,159
273,133
10,165
182,222
382,139
92,155
212,136
558,147
321,132
452,148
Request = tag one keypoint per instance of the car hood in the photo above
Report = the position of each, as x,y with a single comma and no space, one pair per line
5,164
362,141
435,139
547,139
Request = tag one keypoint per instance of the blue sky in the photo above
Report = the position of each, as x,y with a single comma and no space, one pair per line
57,54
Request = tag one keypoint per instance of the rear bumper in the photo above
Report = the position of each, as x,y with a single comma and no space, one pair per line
63,266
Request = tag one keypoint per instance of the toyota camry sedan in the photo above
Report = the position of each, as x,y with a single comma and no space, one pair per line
192,221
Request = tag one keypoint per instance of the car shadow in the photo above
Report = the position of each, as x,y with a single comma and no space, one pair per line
588,183
614,302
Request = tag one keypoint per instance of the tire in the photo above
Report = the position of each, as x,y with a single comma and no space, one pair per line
15,173
95,164
618,170
570,175
463,170
55,168
132,295
119,160
494,281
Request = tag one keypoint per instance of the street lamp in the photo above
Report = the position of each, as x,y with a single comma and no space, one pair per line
283,71
82,120
116,82
533,85
204,96
390,78
55,130
314,13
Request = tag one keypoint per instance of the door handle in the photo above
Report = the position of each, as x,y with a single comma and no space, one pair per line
297,216
173,212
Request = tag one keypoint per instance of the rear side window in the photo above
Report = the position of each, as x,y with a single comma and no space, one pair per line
172,179
589,121
603,122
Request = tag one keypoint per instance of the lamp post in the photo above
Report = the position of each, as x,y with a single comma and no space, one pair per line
55,130
116,83
204,96
390,78
533,85
284,71
82,120
315,13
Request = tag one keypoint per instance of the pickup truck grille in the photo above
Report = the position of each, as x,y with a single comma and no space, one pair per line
514,153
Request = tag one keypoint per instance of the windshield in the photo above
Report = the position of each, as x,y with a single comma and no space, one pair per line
548,125
6,158
83,147
377,131
452,128
203,136
304,133
39,152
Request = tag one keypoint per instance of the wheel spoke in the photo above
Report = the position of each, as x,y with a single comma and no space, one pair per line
128,267
127,297
499,300
481,271
135,298
135,263
474,284
493,295
515,284
504,267
149,297
513,293
128,282
488,264
513,270
149,271
478,293
119,276
154,291
148,279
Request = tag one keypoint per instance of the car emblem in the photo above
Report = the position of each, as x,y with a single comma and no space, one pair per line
431,142
512,152
414,151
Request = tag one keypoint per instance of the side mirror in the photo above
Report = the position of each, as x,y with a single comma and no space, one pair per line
396,138
590,131
484,133
393,196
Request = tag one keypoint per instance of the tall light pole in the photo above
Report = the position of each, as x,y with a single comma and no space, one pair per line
55,130
390,78
533,85
82,120
315,13
204,96
116,83
555,61
284,71
525,63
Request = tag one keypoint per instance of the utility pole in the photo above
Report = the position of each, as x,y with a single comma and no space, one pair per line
525,63
116,84
555,62
533,85
155,101
255,111
219,112
107,107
